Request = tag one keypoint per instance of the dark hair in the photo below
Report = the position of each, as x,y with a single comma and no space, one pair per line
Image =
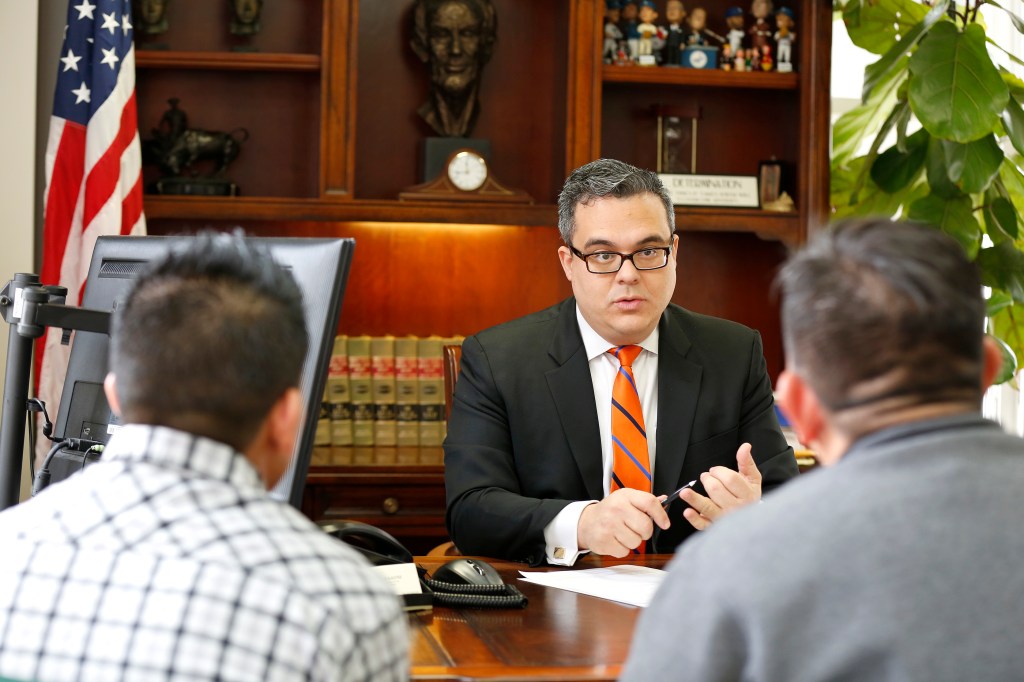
208,339
874,310
607,178
482,9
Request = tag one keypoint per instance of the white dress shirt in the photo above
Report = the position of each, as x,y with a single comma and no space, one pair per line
560,534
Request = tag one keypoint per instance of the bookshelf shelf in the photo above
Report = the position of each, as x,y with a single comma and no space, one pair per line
712,78
344,209
227,61
784,227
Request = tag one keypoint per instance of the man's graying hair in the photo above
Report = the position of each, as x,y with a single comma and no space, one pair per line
874,310
209,339
607,178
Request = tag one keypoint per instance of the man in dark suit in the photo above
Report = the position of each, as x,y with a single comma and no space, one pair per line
532,455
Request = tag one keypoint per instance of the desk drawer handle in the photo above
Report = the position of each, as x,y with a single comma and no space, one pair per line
390,505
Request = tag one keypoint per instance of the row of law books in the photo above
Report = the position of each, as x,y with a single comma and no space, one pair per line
384,391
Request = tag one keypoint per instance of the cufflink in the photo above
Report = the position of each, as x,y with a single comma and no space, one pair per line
559,552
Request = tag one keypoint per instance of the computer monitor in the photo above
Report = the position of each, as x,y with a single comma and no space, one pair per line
320,267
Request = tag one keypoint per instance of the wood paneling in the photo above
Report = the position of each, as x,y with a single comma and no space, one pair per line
440,279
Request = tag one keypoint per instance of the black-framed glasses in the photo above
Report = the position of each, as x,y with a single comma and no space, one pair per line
609,262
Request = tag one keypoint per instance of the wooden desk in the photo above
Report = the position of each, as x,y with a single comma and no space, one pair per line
560,635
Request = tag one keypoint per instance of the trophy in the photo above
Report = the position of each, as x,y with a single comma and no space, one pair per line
677,138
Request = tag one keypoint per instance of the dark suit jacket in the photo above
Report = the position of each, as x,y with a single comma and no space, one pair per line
523,437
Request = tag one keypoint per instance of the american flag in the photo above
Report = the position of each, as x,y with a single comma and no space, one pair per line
93,161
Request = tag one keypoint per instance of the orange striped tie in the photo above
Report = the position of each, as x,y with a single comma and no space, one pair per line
631,465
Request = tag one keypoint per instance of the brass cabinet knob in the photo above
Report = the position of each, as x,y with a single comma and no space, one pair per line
390,505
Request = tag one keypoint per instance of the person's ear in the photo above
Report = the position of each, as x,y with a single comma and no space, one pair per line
284,420
801,406
565,258
271,452
992,361
110,390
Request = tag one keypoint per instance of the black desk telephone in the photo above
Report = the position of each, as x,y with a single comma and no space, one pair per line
460,582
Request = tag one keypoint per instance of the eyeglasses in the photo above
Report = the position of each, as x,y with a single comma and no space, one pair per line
609,262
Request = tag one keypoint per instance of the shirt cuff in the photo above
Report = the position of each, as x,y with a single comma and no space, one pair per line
560,535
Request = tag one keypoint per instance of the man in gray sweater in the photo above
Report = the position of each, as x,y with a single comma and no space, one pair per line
902,561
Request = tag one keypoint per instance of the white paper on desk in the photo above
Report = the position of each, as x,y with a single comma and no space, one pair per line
627,584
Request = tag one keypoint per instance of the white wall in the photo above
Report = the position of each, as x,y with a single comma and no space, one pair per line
18,49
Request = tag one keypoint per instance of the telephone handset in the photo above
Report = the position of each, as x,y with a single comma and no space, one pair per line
378,546
465,582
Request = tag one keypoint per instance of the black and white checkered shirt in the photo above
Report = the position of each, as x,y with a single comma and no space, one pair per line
168,560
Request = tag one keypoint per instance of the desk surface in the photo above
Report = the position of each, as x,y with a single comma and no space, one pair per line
560,635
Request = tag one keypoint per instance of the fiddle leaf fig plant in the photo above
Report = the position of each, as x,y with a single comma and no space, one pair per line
943,129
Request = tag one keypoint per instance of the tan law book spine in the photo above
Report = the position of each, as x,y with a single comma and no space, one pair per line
382,367
431,391
407,398
360,389
339,399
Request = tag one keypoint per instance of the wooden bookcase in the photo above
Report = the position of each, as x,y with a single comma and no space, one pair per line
327,93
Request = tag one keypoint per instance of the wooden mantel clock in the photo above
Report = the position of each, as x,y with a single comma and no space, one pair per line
466,177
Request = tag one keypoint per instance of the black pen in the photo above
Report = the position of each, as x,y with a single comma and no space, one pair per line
673,496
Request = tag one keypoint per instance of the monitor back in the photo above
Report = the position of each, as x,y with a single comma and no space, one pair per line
320,267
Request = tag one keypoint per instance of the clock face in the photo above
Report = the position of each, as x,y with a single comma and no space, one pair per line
467,170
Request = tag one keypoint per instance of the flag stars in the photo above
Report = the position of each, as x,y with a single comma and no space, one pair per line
85,10
110,57
82,94
125,24
110,23
70,61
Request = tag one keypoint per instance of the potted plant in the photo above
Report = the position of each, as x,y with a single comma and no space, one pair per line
946,132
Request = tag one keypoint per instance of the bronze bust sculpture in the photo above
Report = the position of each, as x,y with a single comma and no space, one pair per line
455,38
245,17
150,16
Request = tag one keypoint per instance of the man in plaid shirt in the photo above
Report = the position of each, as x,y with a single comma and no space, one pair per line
167,559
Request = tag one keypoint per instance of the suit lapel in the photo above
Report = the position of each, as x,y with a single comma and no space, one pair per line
572,390
678,389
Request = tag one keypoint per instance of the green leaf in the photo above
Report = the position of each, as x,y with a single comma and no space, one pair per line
952,216
1018,23
901,129
972,166
1008,368
1000,218
875,24
1008,325
877,72
1012,182
938,171
1016,85
996,302
1013,122
853,127
869,201
883,131
894,170
1002,267
955,91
